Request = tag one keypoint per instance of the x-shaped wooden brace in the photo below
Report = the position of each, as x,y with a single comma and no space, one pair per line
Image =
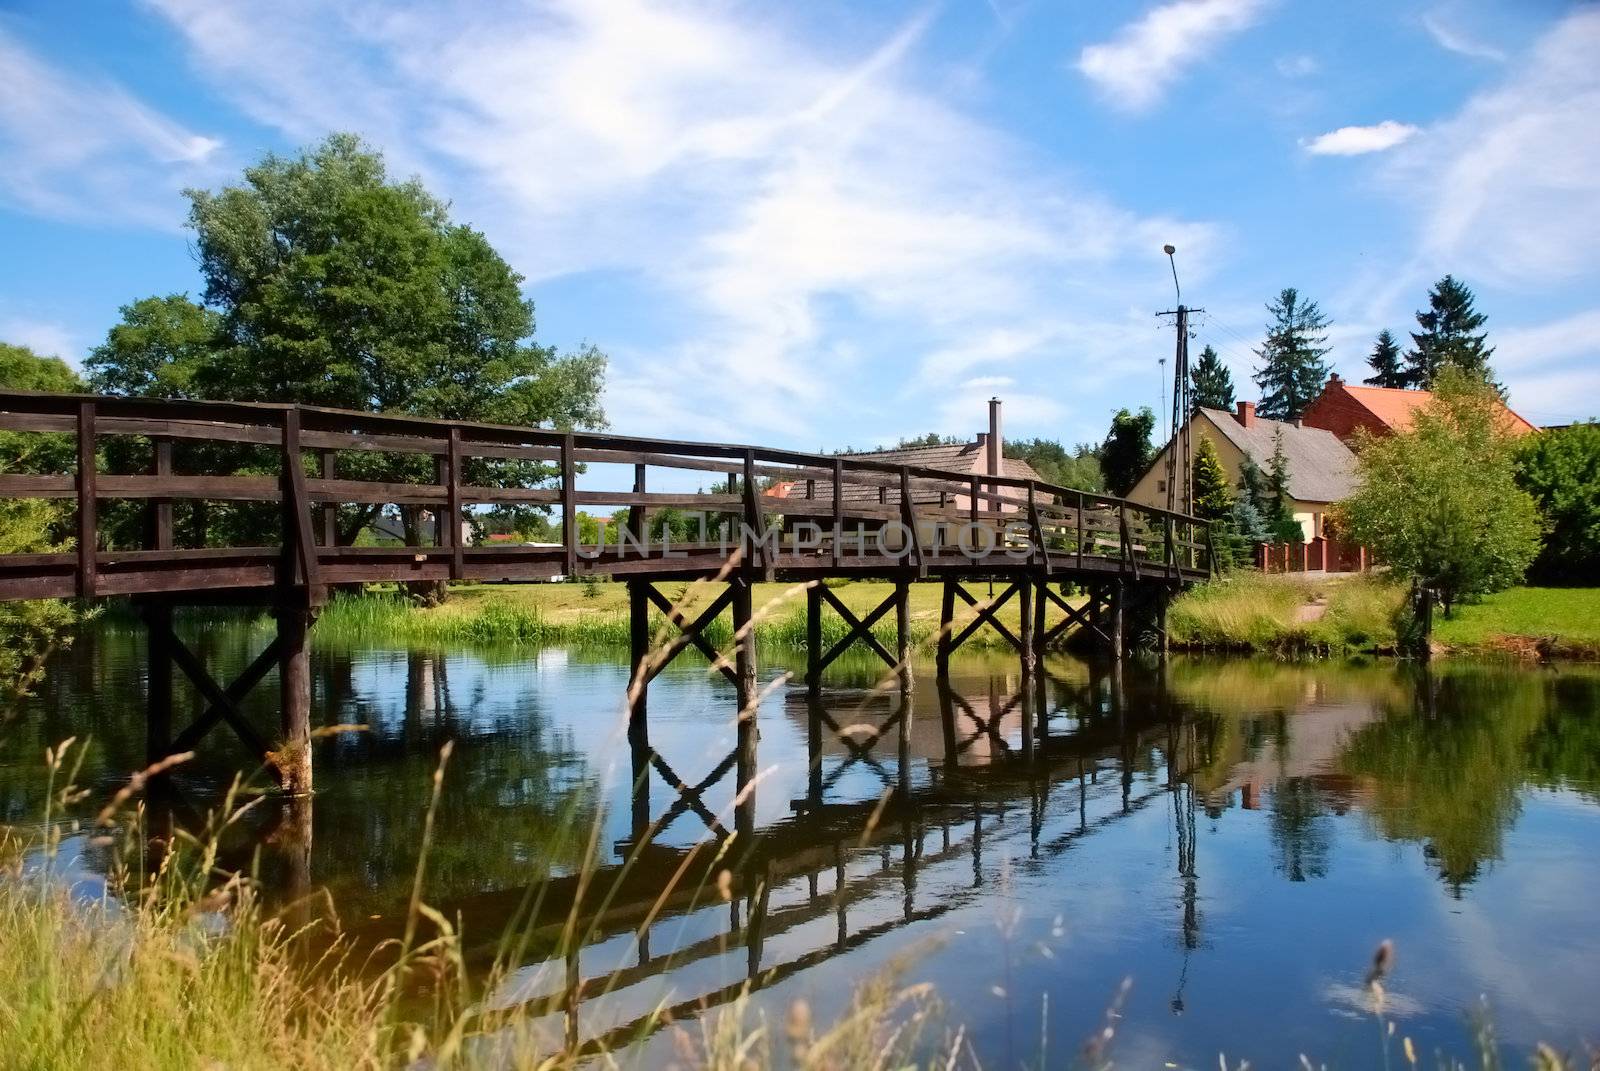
691,633
860,629
222,703
859,750
986,614
989,727
690,797
1082,616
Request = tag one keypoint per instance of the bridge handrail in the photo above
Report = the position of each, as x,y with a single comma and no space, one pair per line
1084,524
431,435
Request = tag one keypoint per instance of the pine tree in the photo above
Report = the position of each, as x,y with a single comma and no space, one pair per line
1385,361
1450,335
1293,370
1213,498
1253,485
1212,382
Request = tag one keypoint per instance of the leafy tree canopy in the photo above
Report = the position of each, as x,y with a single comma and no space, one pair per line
28,452
1077,468
1292,368
1451,336
1439,503
1560,468
1212,382
1127,451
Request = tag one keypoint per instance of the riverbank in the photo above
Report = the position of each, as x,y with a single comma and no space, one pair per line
597,614
1368,615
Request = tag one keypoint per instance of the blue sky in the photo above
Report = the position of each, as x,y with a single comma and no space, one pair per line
834,224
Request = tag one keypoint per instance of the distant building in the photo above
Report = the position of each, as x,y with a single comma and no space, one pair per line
1321,466
984,456
1343,408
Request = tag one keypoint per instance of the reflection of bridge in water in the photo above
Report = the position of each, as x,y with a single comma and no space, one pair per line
1003,767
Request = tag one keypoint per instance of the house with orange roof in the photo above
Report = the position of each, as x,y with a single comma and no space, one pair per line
1343,407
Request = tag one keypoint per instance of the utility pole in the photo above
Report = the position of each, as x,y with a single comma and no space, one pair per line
1180,469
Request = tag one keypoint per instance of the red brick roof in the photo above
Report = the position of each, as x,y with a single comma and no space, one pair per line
1395,408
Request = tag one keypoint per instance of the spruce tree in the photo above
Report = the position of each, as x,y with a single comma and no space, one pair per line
1293,370
1387,370
1450,336
1212,382
1213,498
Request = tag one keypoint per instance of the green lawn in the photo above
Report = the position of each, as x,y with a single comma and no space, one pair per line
1564,621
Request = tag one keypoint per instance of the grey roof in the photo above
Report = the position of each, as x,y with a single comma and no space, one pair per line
964,458
1321,467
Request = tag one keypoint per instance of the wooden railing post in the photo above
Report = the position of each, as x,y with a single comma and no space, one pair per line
299,546
637,518
838,510
88,513
908,517
328,465
569,508
1080,531
452,513
161,508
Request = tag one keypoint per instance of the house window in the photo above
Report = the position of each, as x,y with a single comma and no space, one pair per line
1161,487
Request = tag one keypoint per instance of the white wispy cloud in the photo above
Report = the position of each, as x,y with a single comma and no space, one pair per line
1297,66
1134,70
83,148
1509,187
782,199
1357,140
43,337
1451,39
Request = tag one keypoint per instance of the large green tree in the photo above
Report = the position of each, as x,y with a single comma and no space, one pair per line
1127,451
1451,336
1292,369
1560,468
31,629
1387,370
1212,382
1439,503
327,282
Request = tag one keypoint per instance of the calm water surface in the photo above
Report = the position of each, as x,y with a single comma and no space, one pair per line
1235,837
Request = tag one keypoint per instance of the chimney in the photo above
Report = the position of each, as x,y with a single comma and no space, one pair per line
1247,414
993,438
1334,379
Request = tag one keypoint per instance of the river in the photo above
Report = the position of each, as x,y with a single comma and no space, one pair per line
1233,837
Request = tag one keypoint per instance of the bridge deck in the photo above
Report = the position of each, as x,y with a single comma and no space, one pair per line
788,514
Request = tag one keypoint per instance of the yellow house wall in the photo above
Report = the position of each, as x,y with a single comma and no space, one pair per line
1151,489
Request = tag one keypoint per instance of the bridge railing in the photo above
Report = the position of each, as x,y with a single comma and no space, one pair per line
285,470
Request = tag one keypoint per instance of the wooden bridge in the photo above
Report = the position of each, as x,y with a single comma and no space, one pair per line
126,464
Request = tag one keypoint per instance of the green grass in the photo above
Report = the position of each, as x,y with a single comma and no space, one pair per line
597,615
1250,611
1549,622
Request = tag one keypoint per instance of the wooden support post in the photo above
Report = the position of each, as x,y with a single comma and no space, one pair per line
814,694
88,507
1119,593
293,756
161,508
1041,635
746,691
638,699
158,680
1163,597
1026,646
902,628
947,613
